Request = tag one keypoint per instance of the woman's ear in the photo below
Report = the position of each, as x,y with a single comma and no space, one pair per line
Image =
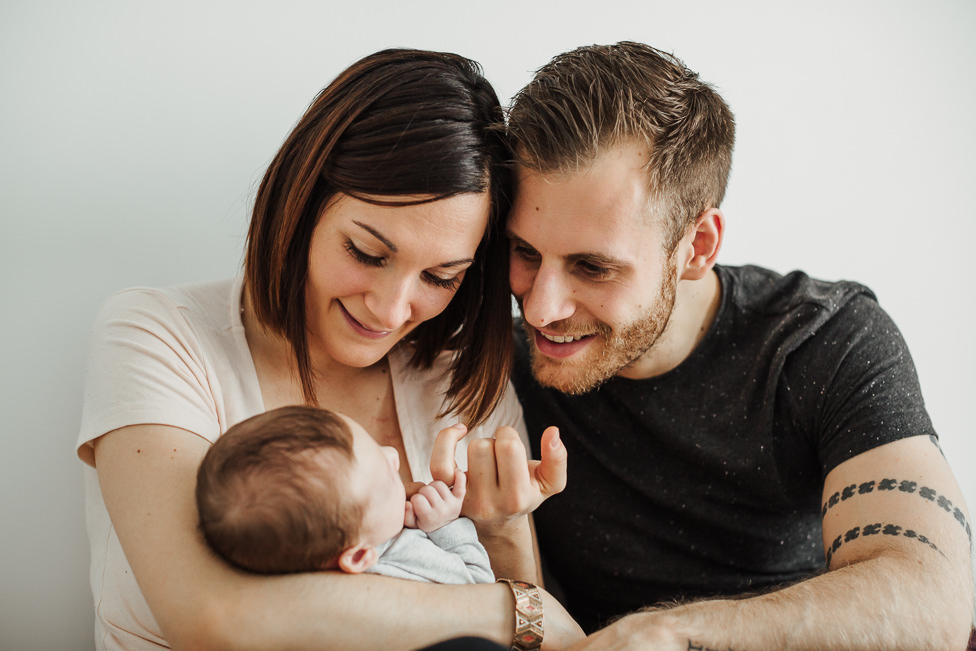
698,249
357,559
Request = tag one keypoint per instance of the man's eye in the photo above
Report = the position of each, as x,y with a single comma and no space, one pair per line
591,270
364,258
525,252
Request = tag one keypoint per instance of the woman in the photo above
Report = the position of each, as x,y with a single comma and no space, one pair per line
375,281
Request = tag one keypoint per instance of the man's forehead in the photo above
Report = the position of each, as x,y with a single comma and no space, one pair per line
592,240
598,210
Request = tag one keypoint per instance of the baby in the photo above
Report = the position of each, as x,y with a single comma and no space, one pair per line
300,489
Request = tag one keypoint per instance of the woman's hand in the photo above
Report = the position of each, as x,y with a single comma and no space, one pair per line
561,630
503,487
502,484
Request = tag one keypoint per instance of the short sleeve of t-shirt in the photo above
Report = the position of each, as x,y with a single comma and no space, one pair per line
859,375
168,357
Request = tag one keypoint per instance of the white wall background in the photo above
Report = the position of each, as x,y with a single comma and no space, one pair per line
132,135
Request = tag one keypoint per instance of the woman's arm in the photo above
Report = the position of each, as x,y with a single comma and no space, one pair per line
503,489
147,475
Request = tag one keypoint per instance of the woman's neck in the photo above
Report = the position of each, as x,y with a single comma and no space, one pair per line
363,394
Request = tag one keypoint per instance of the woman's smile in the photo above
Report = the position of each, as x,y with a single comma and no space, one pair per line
358,326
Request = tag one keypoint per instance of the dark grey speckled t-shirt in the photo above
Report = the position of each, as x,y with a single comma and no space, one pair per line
707,480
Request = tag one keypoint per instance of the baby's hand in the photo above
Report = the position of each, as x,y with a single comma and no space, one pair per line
435,504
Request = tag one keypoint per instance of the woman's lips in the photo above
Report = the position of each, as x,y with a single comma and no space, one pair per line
358,327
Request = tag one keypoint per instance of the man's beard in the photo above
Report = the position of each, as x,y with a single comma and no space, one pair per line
620,347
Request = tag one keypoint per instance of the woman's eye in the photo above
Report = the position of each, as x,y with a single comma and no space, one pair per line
364,258
444,283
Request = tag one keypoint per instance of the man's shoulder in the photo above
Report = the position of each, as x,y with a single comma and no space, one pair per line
758,290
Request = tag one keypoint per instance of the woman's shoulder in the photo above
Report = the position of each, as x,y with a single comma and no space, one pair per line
193,296
209,303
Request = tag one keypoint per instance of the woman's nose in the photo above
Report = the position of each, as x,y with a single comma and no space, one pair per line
390,302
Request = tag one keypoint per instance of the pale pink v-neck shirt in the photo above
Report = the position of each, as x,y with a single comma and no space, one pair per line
178,356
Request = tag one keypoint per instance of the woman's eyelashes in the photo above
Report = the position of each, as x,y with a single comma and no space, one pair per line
362,257
451,283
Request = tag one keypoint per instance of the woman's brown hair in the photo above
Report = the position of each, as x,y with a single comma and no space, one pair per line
398,122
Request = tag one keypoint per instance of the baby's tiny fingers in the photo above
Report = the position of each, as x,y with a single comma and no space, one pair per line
421,505
460,484
409,517
443,492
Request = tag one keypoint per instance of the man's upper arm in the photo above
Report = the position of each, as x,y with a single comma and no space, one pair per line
900,496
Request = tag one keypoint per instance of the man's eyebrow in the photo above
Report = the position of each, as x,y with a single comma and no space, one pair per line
393,247
375,233
599,260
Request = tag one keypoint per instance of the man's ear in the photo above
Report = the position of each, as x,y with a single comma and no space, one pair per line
698,250
357,559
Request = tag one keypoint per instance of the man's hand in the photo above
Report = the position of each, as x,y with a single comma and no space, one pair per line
435,504
636,631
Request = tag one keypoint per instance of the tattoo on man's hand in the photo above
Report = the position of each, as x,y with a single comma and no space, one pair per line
694,646
903,486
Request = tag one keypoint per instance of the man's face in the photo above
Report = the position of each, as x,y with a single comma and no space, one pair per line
595,286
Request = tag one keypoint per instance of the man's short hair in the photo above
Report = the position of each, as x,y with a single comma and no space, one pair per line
587,101
269,492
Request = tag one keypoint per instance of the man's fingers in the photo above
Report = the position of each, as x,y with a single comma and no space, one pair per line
442,463
550,471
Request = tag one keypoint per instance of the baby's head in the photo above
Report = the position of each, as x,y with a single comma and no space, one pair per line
299,489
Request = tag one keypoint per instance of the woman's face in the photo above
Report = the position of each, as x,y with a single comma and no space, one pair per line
376,272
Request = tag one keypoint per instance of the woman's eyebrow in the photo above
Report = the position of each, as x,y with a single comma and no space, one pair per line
393,247
375,233
456,263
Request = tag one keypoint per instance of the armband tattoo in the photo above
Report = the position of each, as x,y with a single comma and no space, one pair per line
903,486
876,529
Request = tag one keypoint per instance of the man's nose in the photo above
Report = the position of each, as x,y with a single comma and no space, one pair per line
549,298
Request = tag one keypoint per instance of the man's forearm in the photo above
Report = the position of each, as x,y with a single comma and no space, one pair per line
889,602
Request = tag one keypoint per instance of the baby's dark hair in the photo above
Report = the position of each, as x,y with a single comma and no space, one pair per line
268,492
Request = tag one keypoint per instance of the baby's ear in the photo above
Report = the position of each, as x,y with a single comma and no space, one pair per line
357,559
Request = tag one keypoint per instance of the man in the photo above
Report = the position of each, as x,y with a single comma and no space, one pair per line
729,430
